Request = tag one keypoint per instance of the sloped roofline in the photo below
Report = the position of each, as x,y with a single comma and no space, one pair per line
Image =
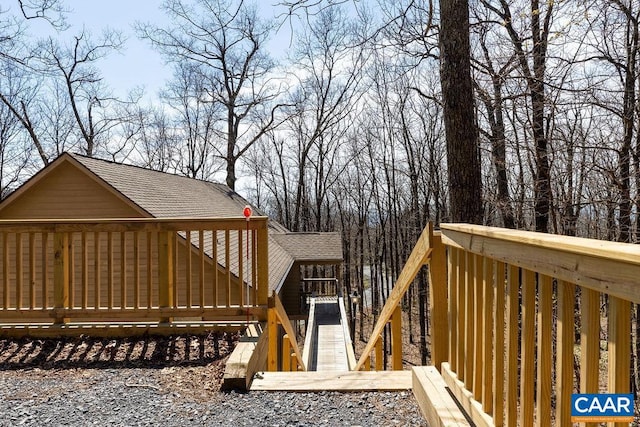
68,158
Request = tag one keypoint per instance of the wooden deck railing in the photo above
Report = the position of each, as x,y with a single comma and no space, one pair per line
503,306
512,329
283,353
133,270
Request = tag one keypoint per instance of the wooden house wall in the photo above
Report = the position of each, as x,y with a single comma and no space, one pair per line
290,291
67,192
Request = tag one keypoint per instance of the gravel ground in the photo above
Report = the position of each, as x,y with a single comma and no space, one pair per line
137,397
165,381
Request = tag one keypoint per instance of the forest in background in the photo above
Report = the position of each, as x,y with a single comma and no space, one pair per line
347,133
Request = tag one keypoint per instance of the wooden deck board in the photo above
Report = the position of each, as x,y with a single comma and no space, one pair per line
435,402
332,381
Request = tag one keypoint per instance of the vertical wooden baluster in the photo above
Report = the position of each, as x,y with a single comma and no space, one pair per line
136,270
478,338
85,271
544,350
254,269
97,268
5,271
32,270
241,269
175,260
263,264
512,345
72,271
461,336
527,345
123,270
487,336
61,275
396,338
286,353
619,343
469,326
452,270
227,262
202,265
45,270
188,269
19,270
564,358
214,258
589,342
166,269
438,301
149,258
499,351
109,270
379,357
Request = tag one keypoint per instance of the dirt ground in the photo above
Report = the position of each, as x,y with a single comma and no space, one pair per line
190,364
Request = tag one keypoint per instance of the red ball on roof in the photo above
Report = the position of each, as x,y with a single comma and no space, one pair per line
247,211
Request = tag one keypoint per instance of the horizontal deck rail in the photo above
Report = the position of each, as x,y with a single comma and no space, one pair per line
133,269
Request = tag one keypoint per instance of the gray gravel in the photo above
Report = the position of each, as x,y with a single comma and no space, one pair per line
140,397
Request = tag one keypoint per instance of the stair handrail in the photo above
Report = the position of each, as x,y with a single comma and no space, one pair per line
419,257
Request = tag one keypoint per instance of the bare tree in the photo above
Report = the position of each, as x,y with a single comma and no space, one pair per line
227,40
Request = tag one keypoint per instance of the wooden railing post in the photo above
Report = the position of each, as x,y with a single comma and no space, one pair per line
379,357
286,353
396,339
272,330
61,274
263,264
165,271
438,306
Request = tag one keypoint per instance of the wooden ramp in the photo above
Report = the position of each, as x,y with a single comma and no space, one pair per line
332,381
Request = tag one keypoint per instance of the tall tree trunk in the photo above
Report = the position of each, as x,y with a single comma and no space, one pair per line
463,153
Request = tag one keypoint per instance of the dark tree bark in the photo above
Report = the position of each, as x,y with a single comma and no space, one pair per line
463,153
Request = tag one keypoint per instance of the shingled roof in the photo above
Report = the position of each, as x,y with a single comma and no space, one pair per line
163,195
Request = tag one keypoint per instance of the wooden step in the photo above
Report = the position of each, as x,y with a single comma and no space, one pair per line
332,381
438,407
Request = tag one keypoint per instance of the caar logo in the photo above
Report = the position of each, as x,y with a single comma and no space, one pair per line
601,407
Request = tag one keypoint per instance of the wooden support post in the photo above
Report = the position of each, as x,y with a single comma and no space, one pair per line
165,271
512,345
438,301
263,264
272,330
452,327
396,339
379,356
61,274
366,366
286,354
